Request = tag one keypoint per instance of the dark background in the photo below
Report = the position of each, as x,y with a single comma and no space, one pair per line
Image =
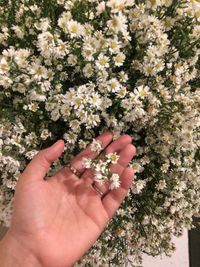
194,245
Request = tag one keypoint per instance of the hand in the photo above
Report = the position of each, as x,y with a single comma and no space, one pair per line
55,221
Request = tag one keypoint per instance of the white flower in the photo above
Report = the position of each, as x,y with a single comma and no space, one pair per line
121,92
74,125
96,146
114,85
19,33
87,163
21,57
74,28
34,96
117,23
69,5
112,157
100,166
161,185
33,107
63,20
88,50
115,181
114,45
102,61
42,25
88,70
30,154
101,7
44,39
142,91
5,81
61,2
78,102
10,52
123,76
45,134
72,60
119,5
95,100
82,144
55,114
92,120
70,137
38,72
45,85
138,186
4,65
98,177
119,59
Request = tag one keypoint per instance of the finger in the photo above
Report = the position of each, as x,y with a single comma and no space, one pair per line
76,162
125,156
119,144
114,198
41,162
115,146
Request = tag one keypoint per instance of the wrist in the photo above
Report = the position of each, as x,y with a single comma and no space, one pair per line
14,254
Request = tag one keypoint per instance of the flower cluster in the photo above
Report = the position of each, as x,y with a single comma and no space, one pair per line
101,165
96,146
102,172
73,69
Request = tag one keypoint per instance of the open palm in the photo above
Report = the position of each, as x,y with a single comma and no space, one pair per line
59,219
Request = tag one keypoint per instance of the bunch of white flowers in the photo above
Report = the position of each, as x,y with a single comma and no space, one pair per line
101,167
72,69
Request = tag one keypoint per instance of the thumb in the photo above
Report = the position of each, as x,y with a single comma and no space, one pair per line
39,165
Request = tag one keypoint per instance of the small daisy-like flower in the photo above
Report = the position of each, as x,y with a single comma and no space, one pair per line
100,166
45,134
33,107
115,182
112,157
74,28
87,163
100,8
119,59
99,177
138,186
38,71
72,60
88,70
74,125
82,144
70,137
96,146
114,85
102,62
95,100
64,19
4,66
142,91
117,23
122,92
114,45
123,76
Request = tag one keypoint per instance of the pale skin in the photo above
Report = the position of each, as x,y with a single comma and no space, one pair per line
56,221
